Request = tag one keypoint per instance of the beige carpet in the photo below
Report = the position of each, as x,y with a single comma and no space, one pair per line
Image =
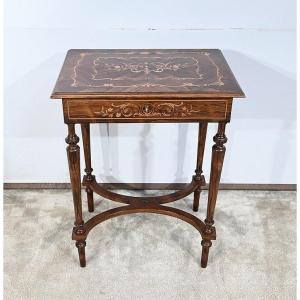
147,256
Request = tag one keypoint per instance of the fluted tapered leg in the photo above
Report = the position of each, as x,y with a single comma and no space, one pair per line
200,153
85,129
218,152
73,152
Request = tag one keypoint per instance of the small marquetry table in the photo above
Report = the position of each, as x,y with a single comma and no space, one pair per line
145,86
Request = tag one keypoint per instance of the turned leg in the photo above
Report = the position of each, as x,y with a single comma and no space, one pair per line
85,129
218,152
200,153
73,152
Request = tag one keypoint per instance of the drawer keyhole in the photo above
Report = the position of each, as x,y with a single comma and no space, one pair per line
147,108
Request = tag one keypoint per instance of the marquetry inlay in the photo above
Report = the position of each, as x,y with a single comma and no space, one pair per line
99,109
137,69
127,71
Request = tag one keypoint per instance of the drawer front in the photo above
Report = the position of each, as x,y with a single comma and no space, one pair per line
129,111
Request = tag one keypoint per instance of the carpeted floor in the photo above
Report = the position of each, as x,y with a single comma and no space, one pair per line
147,256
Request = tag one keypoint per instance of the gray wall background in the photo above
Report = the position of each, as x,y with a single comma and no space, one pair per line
258,40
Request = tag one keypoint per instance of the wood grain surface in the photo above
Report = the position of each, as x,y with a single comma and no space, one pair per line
147,72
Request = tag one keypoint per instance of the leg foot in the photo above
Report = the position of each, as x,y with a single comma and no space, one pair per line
206,244
81,252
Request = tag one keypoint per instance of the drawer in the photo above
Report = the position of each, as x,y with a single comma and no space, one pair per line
78,110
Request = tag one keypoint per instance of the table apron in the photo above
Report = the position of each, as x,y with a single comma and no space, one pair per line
135,111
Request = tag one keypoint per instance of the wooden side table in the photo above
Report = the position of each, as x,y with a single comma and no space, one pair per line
121,86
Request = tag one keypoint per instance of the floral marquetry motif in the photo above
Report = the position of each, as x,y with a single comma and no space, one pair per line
147,110
137,70
144,67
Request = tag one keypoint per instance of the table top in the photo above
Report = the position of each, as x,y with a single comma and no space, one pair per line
105,73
